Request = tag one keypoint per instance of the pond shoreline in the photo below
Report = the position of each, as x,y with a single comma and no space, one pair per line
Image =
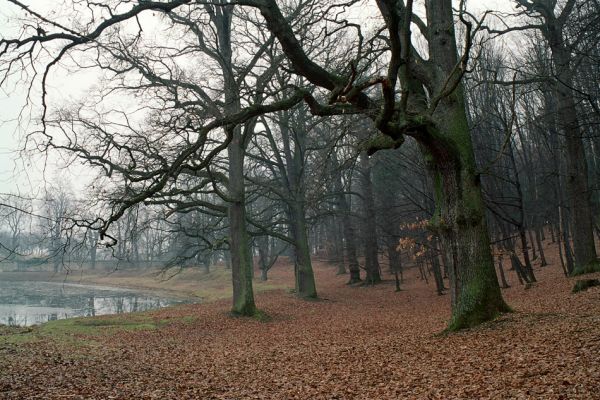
144,282
34,302
192,285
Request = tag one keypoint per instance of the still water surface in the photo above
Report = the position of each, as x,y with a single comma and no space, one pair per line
29,303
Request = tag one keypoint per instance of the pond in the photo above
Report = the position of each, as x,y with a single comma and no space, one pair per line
25,303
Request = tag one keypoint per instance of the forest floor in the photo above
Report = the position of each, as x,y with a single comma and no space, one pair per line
353,343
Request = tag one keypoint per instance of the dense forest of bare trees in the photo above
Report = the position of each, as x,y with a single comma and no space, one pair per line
376,135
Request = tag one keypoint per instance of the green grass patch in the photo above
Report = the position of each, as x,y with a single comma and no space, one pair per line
585,284
217,286
15,335
262,316
77,331
586,269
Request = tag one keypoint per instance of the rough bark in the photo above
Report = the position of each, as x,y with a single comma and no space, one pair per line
305,280
348,228
369,223
505,284
579,194
460,211
294,159
241,257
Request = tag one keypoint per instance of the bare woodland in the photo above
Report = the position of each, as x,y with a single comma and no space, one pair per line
447,148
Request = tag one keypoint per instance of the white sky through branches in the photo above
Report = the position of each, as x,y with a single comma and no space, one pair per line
22,175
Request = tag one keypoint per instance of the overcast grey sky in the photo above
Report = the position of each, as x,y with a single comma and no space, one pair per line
21,175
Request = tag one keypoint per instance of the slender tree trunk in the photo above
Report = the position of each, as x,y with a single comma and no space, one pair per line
239,241
437,273
263,256
348,228
394,257
505,284
579,194
336,246
305,280
538,239
565,241
552,235
294,156
561,257
518,267
395,260
93,248
371,247
422,273
533,252
241,258
521,220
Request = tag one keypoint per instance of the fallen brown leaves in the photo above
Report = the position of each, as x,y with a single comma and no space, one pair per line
363,343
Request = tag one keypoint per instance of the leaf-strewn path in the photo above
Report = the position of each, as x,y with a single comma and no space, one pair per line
363,343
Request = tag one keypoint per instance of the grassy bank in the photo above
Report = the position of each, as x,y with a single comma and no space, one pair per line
190,283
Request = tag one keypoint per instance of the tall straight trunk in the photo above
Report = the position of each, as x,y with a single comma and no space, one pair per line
505,284
445,259
348,228
57,249
552,235
519,270
239,242
524,249
94,235
533,252
305,279
394,257
564,231
263,256
579,194
460,210
338,246
369,223
437,273
561,257
350,241
521,220
538,239
296,190
422,271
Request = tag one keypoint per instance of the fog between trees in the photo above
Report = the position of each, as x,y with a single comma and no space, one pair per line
412,135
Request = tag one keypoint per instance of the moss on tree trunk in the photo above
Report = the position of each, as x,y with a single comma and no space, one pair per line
460,221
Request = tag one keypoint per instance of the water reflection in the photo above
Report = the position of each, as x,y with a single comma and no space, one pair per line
31,303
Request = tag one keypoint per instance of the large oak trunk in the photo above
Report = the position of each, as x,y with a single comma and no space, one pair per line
459,219
460,210
474,289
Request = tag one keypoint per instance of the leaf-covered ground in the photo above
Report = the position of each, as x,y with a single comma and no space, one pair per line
356,342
